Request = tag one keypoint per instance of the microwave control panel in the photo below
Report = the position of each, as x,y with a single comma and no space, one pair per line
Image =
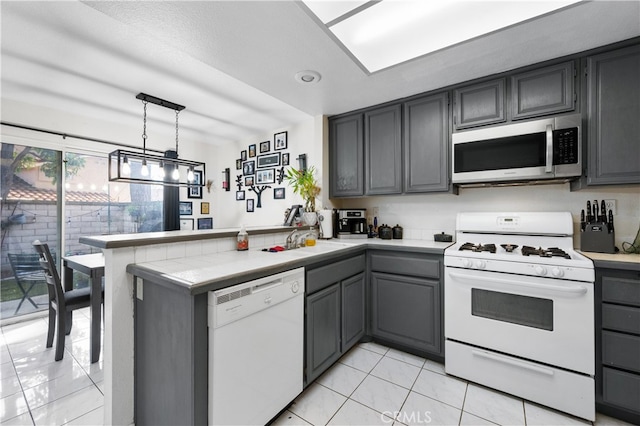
565,146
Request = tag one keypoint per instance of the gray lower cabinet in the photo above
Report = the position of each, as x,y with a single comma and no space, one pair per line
548,90
618,342
426,144
383,150
613,104
171,350
335,312
406,300
346,157
479,104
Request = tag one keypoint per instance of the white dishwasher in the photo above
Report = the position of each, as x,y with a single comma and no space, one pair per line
256,338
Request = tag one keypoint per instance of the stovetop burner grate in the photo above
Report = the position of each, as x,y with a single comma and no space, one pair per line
491,248
545,252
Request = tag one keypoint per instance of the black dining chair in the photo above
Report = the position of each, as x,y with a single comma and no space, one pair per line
60,302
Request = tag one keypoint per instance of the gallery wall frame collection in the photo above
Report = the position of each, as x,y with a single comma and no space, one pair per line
259,166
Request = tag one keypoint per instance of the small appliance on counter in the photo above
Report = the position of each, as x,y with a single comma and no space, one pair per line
351,223
397,232
596,229
325,221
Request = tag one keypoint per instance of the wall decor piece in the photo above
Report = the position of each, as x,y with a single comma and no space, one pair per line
280,141
248,181
252,150
204,207
268,160
243,155
278,193
205,223
248,168
186,208
239,164
285,158
265,146
280,175
195,191
265,176
226,177
239,182
239,195
186,224
250,205
259,190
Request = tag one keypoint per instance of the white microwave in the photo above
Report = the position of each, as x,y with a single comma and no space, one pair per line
540,150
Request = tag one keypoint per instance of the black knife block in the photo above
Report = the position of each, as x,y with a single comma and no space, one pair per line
597,238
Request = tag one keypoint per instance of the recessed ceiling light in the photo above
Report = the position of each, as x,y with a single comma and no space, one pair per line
307,77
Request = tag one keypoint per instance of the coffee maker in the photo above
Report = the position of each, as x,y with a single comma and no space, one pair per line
351,223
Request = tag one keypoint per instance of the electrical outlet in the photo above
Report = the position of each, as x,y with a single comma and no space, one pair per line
611,205
376,213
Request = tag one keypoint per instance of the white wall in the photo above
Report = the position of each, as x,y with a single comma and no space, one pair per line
302,138
423,215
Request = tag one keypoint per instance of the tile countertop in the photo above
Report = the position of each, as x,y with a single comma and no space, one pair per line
202,273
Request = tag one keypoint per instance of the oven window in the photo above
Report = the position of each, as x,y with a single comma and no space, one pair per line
504,153
524,310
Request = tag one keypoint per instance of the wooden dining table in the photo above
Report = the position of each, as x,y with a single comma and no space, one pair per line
93,266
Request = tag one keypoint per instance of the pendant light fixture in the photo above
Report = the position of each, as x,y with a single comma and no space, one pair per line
143,167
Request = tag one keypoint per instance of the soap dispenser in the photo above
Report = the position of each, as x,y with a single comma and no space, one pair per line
243,239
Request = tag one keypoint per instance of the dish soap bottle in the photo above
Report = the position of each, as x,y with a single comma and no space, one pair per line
243,239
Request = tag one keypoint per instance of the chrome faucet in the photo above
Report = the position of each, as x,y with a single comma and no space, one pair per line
291,241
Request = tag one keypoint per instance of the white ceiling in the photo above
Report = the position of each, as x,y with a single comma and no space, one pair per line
232,63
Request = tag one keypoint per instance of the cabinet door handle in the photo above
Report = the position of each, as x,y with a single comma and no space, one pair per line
549,164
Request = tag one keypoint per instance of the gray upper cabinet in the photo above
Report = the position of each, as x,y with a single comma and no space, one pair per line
383,150
426,144
543,91
613,104
479,104
346,157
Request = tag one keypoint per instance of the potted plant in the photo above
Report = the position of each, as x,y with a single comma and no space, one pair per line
304,184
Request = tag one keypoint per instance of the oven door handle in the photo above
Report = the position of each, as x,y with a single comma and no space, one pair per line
549,163
514,362
570,290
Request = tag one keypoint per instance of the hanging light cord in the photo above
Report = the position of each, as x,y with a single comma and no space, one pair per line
144,128
177,112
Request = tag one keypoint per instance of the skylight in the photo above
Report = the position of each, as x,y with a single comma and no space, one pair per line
385,33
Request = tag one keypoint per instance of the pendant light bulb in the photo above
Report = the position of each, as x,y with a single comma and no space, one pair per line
176,173
190,175
144,171
125,168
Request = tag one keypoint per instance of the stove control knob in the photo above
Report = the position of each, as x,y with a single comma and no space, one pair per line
541,270
481,264
467,263
557,272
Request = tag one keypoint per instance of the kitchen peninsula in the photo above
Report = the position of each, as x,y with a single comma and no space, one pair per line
188,264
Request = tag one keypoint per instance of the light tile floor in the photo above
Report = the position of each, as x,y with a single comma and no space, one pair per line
376,385
370,385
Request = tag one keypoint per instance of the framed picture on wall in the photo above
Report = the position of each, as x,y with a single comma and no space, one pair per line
195,191
205,223
278,193
186,224
280,141
285,158
239,164
252,150
248,168
186,208
265,176
250,205
204,208
248,181
268,160
265,146
243,155
239,195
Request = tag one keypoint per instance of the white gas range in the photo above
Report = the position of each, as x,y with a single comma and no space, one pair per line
519,309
